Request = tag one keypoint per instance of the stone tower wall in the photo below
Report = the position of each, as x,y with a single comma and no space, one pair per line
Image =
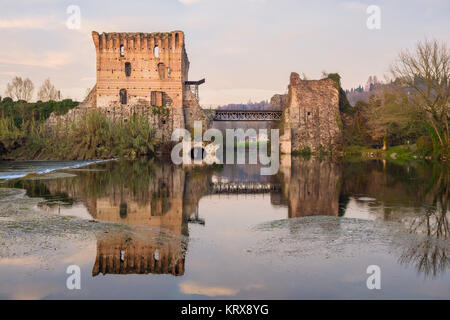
312,115
164,73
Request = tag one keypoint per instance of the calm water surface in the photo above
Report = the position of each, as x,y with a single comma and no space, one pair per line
150,230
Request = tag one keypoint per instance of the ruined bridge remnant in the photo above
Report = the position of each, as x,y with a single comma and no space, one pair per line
311,118
247,115
146,74
308,116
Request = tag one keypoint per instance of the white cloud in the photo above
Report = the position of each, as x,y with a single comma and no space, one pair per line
189,1
48,59
38,23
9,73
354,5
209,291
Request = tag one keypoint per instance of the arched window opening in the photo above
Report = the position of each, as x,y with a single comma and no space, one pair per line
123,96
161,71
122,51
168,72
127,69
156,51
123,210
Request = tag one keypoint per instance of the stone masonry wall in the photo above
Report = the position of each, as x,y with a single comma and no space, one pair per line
279,102
139,64
312,116
193,112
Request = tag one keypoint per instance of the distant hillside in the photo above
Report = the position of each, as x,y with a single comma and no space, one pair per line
262,105
363,93
355,96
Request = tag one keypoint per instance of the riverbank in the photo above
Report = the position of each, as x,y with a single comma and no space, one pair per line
397,154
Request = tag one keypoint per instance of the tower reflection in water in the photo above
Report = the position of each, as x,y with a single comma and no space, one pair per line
155,201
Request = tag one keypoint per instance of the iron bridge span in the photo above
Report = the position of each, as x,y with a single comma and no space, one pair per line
247,115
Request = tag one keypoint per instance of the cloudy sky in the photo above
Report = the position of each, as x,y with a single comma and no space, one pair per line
245,49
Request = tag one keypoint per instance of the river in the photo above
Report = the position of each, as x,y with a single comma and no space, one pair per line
147,229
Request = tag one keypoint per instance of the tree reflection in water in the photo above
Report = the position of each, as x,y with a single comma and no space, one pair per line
431,255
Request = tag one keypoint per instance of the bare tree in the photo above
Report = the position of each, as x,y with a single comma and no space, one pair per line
426,71
19,89
429,255
47,91
28,88
14,88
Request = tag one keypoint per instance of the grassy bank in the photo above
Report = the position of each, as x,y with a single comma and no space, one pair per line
398,154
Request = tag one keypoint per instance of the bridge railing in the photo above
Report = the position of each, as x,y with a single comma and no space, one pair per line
244,187
247,115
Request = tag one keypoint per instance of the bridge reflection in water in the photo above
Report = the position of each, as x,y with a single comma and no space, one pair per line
249,187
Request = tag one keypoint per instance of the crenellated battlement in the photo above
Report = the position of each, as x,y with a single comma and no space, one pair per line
138,41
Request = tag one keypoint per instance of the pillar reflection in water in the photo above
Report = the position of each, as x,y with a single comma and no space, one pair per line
310,187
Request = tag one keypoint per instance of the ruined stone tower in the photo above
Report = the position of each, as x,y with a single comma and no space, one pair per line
141,72
311,117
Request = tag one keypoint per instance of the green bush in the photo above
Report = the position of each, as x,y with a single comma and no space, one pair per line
305,153
91,136
344,104
22,112
424,142
10,134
